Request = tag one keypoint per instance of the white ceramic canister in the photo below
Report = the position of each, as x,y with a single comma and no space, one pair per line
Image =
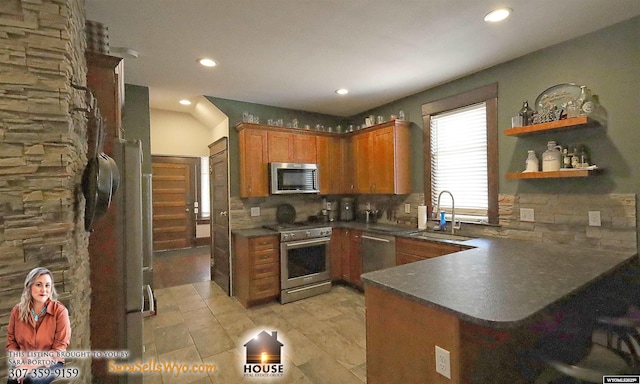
552,157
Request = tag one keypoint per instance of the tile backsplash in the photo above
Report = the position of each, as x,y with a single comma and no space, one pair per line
558,219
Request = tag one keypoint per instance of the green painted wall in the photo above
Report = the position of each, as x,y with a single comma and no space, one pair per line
135,120
607,61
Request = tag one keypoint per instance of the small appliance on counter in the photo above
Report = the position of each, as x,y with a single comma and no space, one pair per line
332,210
346,209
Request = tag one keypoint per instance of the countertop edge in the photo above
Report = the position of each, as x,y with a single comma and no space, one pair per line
367,279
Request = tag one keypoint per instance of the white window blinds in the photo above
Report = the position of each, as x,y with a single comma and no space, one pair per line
459,161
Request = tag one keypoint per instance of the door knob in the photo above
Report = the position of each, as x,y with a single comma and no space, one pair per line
223,213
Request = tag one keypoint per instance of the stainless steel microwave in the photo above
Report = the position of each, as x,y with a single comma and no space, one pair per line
288,178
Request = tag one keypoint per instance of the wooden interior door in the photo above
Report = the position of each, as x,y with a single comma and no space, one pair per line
173,194
219,190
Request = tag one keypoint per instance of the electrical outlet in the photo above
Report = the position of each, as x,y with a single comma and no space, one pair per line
443,363
594,219
526,214
407,208
255,211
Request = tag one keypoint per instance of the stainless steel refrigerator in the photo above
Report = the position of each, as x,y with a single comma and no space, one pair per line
128,155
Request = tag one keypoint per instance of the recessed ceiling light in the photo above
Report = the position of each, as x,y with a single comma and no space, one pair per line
342,91
497,15
185,102
207,62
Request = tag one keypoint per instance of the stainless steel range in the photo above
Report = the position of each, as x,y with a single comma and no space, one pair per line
304,260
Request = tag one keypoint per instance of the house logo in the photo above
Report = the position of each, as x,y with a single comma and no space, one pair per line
263,358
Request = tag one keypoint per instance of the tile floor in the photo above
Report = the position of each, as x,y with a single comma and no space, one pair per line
182,266
323,336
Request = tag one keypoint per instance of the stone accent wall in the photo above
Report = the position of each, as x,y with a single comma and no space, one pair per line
559,219
564,219
42,155
309,205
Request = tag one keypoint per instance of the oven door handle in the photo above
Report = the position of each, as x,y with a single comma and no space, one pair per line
296,244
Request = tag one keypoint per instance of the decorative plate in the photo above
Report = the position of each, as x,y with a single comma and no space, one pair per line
285,214
557,98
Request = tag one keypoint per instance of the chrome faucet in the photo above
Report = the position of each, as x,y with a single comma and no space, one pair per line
453,213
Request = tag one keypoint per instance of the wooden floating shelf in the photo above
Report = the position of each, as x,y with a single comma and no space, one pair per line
574,122
553,174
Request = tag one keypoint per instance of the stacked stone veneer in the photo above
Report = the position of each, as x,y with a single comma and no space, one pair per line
564,219
42,156
559,219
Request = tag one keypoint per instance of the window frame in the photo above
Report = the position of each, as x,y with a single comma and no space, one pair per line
489,95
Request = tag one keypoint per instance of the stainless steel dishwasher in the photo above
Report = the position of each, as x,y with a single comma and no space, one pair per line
377,251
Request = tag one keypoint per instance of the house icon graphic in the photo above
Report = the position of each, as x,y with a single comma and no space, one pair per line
264,348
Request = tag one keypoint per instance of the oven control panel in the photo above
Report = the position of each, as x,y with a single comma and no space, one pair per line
303,234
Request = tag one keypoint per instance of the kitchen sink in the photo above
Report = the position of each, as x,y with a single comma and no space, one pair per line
438,236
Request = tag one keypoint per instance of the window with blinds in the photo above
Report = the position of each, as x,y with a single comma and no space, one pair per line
459,161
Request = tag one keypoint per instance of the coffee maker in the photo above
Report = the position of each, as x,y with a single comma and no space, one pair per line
346,209
332,210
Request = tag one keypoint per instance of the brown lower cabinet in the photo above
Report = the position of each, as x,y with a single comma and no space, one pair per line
402,333
256,268
336,249
355,259
344,251
410,250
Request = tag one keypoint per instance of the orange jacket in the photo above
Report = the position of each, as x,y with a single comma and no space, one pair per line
52,333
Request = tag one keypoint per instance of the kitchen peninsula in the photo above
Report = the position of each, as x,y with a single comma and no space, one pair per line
477,304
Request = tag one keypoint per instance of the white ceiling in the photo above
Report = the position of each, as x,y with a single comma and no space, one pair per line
296,53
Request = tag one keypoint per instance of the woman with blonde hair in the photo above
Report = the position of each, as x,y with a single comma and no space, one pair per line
38,329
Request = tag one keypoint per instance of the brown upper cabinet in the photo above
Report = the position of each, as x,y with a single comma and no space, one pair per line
254,162
285,147
382,159
374,160
331,151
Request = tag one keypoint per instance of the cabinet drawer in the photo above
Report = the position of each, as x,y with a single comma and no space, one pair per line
264,257
265,287
260,271
260,244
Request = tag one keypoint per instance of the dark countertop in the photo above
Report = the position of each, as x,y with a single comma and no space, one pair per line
501,283
254,232
381,228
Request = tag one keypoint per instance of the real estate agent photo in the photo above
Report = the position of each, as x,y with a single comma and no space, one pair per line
38,329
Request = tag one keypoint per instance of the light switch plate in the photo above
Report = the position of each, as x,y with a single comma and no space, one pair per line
527,214
594,219
407,208
255,211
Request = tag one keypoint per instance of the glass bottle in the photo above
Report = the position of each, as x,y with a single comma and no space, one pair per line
526,113
575,158
584,158
552,157
585,101
566,158
532,164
